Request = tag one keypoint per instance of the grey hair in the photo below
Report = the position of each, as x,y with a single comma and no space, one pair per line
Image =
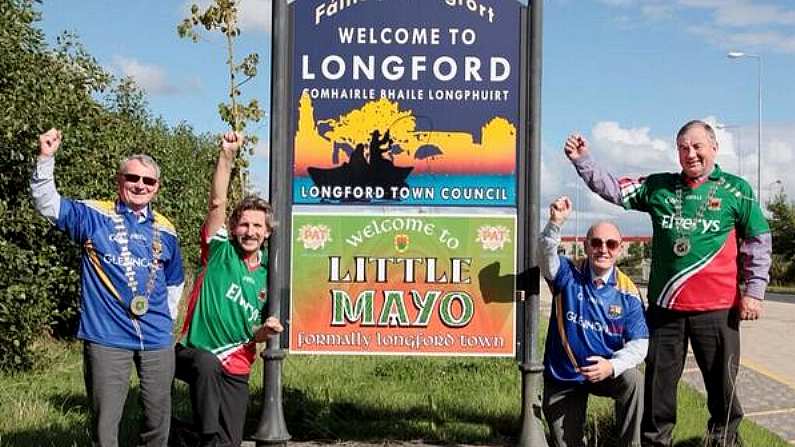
600,222
702,124
144,160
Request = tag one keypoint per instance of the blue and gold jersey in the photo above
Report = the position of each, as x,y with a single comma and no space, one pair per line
105,291
589,321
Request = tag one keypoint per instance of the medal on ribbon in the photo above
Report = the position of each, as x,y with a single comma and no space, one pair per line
139,305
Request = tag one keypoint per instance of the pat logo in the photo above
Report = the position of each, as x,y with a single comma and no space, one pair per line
615,311
402,242
714,204
314,237
493,238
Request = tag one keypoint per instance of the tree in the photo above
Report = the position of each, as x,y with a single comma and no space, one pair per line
782,228
221,16
382,115
44,87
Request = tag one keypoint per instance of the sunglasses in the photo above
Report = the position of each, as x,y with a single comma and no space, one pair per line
611,244
134,178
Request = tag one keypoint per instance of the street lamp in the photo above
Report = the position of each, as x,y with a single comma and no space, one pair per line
739,144
737,55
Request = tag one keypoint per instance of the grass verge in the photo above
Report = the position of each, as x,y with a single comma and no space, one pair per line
332,398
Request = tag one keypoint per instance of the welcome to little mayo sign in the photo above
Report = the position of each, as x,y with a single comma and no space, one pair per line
402,284
404,131
406,102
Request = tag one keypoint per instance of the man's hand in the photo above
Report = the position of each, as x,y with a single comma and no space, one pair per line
271,326
599,369
49,142
230,144
576,147
559,210
750,308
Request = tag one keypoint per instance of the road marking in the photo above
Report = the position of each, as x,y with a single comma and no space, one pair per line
770,412
766,372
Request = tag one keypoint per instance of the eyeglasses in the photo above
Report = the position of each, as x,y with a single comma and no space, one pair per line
134,178
597,243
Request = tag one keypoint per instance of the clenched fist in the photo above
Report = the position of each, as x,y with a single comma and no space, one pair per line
576,147
559,210
49,142
230,144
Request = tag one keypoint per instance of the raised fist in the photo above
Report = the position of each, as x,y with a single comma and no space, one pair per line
231,142
49,142
576,147
559,210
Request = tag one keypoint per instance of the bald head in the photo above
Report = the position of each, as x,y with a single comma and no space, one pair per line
603,245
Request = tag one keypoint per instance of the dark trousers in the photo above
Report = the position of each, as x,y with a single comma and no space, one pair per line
565,407
219,400
715,339
106,372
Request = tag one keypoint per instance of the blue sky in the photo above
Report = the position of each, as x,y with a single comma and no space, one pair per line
624,73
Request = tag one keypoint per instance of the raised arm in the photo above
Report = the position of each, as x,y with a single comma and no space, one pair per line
219,188
42,184
598,179
549,240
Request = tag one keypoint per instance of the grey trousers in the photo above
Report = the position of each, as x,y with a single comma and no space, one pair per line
565,407
106,371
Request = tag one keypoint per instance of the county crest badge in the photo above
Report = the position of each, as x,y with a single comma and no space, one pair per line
615,311
714,204
402,242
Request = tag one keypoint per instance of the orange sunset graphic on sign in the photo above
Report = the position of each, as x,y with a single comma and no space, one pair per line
426,150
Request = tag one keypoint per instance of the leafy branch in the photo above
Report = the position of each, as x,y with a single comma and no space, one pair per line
222,16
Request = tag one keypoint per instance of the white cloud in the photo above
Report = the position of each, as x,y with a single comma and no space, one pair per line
253,15
151,78
634,150
750,25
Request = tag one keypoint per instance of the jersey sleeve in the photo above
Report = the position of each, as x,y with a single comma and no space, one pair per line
634,193
751,221
173,269
75,219
563,276
635,321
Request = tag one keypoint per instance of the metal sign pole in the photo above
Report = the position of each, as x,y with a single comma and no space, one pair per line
532,431
272,428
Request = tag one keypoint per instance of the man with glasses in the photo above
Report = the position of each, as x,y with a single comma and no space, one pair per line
705,223
131,282
597,333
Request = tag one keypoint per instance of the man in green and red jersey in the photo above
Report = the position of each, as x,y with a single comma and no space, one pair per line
223,323
706,223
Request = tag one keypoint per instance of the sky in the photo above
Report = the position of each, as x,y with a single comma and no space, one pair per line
626,74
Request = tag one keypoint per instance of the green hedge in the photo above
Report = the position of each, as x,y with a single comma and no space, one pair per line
103,120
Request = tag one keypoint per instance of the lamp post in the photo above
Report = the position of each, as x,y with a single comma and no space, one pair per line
739,144
737,55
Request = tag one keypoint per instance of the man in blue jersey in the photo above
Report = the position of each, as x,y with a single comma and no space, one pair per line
597,333
131,282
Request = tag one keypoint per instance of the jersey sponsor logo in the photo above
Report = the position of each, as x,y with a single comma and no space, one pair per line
586,324
235,294
670,221
119,239
136,262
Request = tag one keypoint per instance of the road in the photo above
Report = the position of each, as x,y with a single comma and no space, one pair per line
780,297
